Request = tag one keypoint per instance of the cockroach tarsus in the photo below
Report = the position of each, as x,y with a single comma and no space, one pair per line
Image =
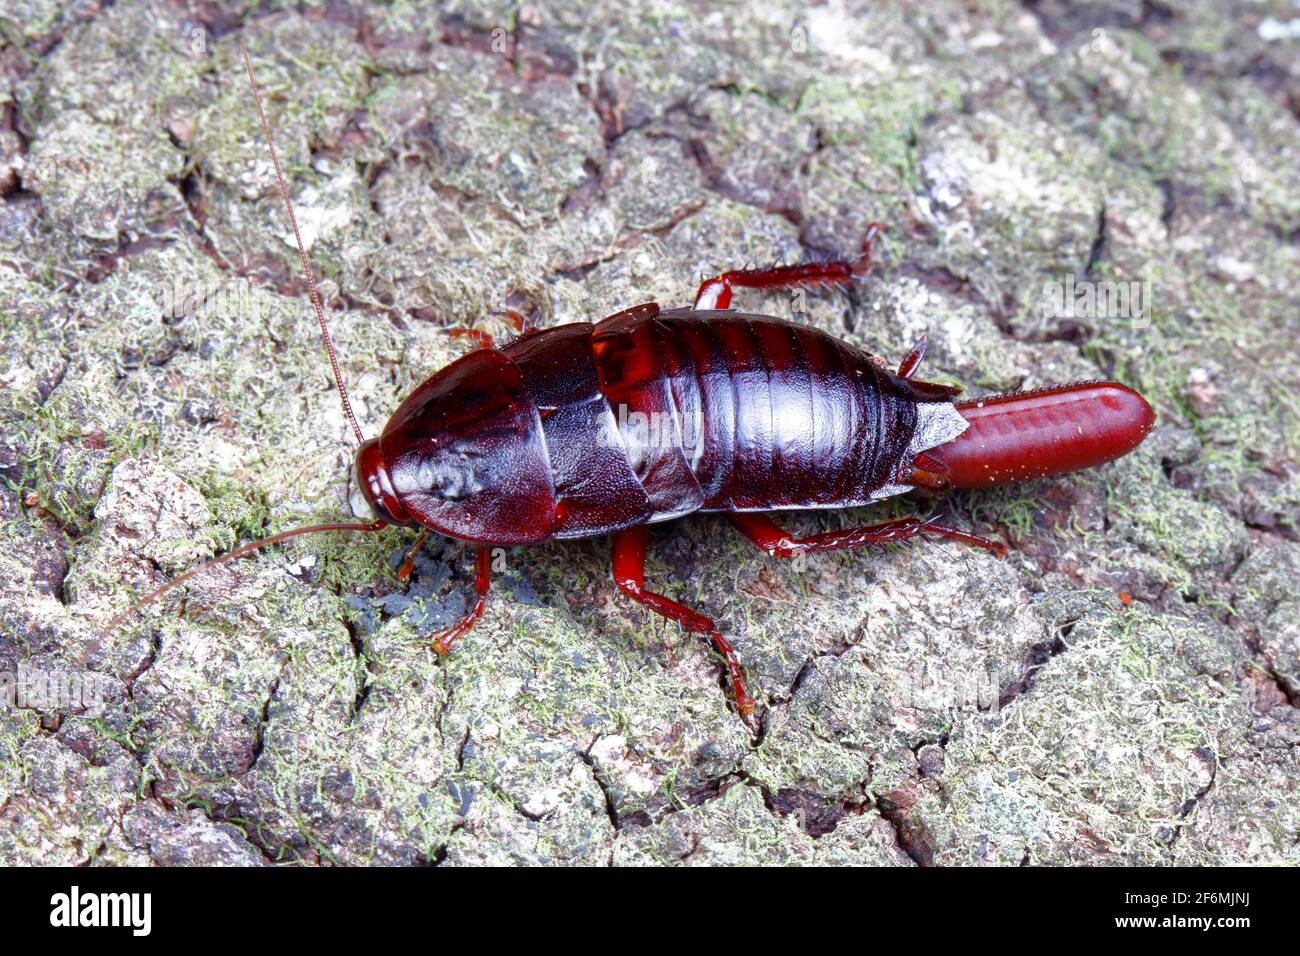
541,439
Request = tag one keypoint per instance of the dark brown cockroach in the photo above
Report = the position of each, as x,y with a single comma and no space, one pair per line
600,429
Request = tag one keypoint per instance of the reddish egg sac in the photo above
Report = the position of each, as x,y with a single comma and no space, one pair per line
1042,433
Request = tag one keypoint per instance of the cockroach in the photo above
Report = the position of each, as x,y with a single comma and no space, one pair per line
592,429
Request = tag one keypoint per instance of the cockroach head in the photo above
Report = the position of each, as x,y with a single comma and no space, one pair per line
465,456
374,487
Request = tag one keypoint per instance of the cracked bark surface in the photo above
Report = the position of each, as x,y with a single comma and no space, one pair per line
923,705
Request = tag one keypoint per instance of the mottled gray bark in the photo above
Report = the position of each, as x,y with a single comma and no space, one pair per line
165,395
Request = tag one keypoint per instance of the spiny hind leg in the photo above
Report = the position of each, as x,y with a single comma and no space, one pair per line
715,293
765,533
629,575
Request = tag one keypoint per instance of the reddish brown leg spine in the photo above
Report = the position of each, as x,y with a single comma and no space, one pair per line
629,575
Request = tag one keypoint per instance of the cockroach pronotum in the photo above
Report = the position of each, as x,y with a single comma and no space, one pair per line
543,438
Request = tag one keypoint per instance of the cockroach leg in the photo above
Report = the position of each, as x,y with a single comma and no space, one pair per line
930,526
443,640
519,322
482,339
408,560
766,534
629,575
715,293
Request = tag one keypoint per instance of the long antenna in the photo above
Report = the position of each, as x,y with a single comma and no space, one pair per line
338,380
302,252
243,549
